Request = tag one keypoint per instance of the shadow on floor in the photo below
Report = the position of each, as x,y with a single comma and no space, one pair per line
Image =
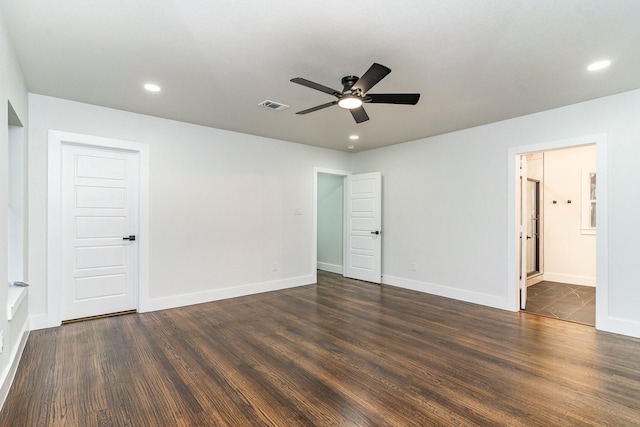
562,301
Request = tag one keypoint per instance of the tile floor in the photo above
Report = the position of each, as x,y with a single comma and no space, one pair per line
562,301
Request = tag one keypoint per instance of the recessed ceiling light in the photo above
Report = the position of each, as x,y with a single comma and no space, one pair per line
152,87
599,65
351,147
353,137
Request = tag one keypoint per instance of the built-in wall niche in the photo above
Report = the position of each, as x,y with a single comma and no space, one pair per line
16,200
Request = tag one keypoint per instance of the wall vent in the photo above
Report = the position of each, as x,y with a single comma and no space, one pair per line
272,105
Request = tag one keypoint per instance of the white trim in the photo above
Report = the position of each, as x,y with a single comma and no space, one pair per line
10,372
223,293
314,239
332,268
39,321
570,279
54,218
603,321
449,292
618,326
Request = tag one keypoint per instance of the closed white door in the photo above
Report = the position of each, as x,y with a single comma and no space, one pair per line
363,254
99,222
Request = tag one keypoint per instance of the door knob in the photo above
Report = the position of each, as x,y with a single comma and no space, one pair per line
131,238
375,232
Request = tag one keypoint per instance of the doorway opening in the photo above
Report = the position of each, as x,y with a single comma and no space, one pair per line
329,219
361,223
330,223
559,233
556,203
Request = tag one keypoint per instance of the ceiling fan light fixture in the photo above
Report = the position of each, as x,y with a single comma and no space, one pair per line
350,102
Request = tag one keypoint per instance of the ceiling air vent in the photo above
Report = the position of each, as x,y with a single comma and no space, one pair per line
272,105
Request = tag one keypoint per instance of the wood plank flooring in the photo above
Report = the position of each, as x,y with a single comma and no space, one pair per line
341,352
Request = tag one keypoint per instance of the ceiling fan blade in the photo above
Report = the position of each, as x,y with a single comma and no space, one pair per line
359,114
316,86
393,98
374,74
318,107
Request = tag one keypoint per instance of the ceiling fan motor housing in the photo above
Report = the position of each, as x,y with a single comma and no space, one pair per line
348,82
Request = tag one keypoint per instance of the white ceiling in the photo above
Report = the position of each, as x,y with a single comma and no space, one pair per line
474,62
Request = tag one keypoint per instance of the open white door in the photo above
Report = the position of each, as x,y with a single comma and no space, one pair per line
523,232
363,251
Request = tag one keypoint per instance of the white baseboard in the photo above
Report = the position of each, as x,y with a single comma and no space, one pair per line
448,292
618,326
570,279
10,372
43,321
40,321
224,293
331,268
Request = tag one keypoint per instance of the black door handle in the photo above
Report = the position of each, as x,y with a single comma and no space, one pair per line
375,232
129,238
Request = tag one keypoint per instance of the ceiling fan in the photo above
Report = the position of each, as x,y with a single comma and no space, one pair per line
355,93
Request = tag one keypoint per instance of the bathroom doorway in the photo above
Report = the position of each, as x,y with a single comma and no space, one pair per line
558,236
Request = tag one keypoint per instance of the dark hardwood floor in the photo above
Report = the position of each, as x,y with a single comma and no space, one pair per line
341,352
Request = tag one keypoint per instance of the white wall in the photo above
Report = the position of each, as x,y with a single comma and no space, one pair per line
12,90
446,204
330,222
569,254
221,204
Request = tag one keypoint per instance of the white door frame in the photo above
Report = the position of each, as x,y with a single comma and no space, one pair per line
314,242
602,254
54,217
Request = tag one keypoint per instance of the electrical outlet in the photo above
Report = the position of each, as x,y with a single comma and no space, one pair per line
414,267
275,266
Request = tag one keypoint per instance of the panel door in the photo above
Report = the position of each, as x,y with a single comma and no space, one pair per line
363,254
99,211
